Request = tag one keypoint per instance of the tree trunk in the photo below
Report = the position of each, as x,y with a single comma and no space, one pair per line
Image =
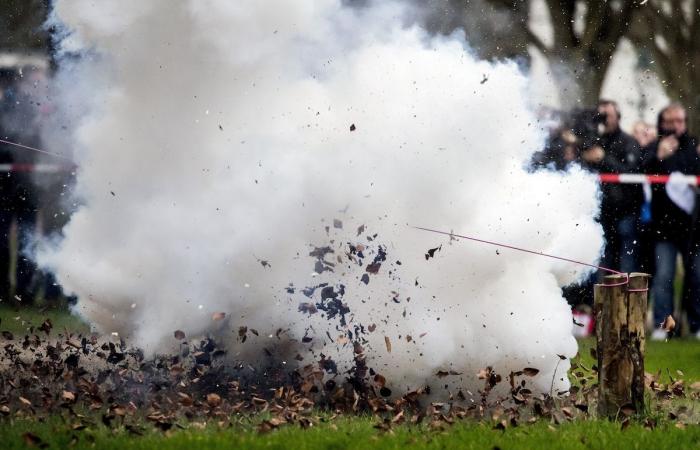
620,310
677,60
21,22
579,83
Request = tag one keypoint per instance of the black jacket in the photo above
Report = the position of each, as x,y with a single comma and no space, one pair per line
622,155
669,222
17,193
6,182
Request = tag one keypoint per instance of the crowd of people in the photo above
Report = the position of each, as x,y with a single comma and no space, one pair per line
648,227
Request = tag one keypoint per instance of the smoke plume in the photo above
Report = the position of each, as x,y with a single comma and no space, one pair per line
218,149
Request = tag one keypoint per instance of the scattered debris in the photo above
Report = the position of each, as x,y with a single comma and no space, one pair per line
66,373
431,253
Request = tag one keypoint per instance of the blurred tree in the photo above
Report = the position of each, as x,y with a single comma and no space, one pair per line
584,37
21,22
492,30
670,31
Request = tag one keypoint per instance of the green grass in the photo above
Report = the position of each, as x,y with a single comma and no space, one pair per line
358,433
671,356
18,321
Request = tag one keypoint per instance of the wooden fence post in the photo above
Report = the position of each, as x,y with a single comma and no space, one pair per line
620,310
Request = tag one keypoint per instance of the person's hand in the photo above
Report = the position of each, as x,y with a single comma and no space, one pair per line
667,147
594,154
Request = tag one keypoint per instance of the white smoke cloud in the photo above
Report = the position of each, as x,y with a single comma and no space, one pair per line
223,138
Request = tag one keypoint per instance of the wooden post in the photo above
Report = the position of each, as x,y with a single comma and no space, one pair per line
620,318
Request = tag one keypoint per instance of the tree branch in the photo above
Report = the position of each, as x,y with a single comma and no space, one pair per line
596,17
695,26
533,39
562,15
622,22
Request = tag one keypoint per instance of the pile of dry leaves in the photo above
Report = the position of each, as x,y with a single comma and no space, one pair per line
86,379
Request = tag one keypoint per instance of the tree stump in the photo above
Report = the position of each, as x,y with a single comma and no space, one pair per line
620,310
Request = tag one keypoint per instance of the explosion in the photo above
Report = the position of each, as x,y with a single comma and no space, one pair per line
266,161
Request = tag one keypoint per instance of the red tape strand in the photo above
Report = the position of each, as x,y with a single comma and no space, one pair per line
524,250
26,147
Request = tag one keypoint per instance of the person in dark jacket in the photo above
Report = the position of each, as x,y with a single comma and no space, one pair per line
17,196
6,197
617,152
674,222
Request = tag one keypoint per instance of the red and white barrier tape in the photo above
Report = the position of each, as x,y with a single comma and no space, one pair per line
611,178
639,178
39,168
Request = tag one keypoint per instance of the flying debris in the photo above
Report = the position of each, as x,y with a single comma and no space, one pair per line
431,253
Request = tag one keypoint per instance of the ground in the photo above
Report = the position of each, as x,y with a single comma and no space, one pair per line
677,359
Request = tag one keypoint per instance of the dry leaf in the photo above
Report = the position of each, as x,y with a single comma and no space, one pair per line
32,440
669,324
185,399
373,268
380,380
68,396
431,252
388,343
530,372
628,409
213,400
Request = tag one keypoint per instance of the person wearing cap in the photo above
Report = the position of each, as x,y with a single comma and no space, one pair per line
674,214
